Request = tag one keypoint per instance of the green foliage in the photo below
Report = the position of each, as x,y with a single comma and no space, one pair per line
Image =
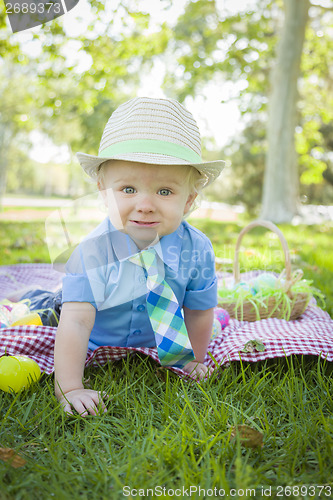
8,48
72,106
316,103
205,45
215,46
247,156
116,56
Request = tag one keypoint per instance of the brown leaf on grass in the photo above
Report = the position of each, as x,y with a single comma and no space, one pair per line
9,455
161,373
248,437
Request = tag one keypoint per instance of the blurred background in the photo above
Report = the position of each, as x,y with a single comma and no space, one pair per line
256,74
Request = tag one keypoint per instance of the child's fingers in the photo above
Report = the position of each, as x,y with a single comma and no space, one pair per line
208,373
76,404
197,370
92,403
203,372
84,402
66,407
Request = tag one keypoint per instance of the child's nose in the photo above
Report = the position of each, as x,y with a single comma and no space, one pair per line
145,204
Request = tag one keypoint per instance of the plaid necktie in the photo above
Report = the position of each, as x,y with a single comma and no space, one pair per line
173,345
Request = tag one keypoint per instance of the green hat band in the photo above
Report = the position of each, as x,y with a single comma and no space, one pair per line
151,146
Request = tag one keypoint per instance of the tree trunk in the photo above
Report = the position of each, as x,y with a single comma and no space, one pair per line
281,182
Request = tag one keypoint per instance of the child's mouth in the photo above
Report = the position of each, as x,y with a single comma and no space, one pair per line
144,223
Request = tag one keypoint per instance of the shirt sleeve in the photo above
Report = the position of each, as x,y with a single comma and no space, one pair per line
84,281
201,290
76,288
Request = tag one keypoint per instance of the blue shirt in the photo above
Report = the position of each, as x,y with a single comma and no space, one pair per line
99,272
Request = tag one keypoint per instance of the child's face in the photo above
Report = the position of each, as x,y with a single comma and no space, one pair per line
151,200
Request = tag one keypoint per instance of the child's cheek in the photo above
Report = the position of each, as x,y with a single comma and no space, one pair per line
116,211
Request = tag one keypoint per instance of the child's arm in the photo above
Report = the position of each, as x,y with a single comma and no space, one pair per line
76,322
199,325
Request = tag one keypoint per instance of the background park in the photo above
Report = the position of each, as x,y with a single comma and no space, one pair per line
257,75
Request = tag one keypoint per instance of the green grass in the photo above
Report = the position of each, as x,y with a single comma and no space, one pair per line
161,431
173,434
23,242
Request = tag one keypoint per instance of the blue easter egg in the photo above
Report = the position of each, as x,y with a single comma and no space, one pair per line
222,316
243,285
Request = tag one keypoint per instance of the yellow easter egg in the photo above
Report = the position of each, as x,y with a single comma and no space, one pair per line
30,367
17,372
30,319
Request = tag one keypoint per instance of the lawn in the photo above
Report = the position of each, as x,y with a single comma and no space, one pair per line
163,436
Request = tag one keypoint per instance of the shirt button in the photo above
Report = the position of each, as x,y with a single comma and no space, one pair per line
136,332
142,279
141,308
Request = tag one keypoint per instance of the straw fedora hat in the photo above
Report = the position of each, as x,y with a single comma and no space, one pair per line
154,131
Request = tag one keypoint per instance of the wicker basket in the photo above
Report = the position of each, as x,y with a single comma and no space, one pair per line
270,307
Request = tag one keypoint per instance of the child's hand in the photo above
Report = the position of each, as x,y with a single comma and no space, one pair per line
84,401
198,370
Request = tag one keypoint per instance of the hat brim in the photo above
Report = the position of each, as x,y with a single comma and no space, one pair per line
211,169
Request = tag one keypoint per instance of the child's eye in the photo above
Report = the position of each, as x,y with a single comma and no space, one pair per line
128,190
164,192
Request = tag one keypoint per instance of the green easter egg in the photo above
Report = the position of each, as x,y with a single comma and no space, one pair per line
17,372
264,282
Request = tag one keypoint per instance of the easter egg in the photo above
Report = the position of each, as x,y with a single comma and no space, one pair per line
222,316
19,310
17,372
264,282
216,329
242,285
29,319
46,317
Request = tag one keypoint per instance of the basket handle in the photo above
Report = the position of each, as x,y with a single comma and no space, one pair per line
276,230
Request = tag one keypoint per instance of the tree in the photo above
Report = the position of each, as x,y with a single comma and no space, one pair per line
281,181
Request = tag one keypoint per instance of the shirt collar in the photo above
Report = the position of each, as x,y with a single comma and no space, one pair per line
170,244
123,246
167,248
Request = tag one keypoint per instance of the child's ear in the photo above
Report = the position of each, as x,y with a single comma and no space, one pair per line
189,202
101,188
100,184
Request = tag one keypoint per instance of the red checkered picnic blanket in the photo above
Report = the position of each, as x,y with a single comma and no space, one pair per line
311,334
